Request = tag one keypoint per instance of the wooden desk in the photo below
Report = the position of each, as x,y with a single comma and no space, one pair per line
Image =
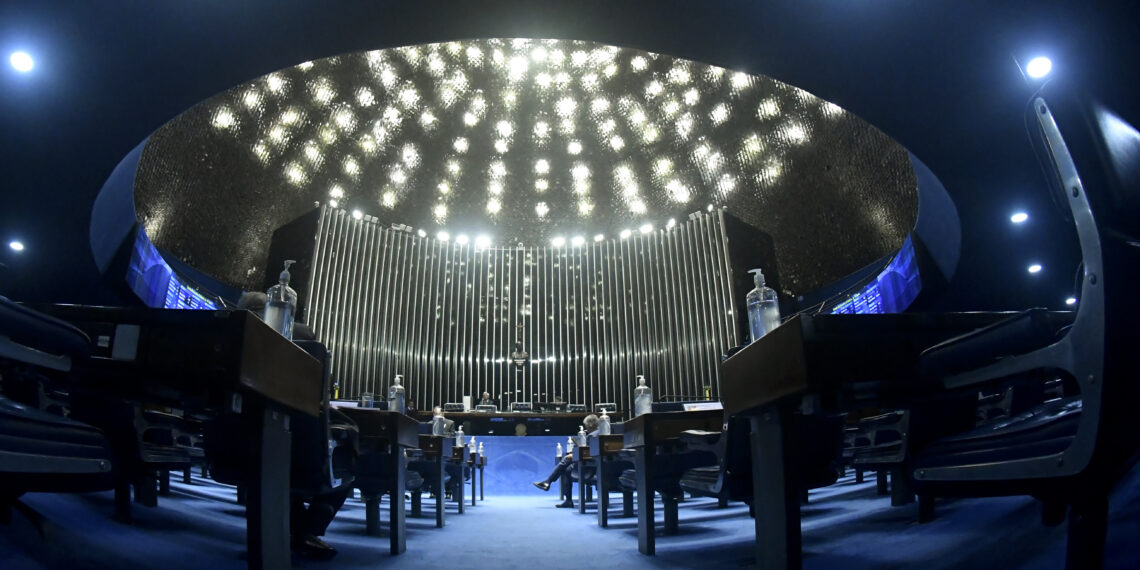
210,363
459,457
388,433
604,451
644,434
845,361
437,450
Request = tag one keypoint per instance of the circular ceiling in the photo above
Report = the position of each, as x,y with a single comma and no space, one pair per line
527,142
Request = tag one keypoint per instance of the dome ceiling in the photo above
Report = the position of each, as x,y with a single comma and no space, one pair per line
523,142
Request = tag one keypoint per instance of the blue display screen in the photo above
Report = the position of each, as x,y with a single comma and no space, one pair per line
892,290
152,279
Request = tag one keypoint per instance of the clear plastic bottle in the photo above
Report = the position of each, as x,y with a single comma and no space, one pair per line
642,397
281,306
582,436
570,444
396,395
604,423
763,307
481,450
558,450
460,439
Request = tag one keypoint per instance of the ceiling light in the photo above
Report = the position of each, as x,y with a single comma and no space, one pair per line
483,241
357,214
558,241
461,239
421,233
21,61
1038,67
672,222
16,245
645,228
1019,217
1035,268
625,234
1071,301
578,241
442,236
599,237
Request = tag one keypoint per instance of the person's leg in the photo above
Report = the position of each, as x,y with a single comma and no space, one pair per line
559,469
323,509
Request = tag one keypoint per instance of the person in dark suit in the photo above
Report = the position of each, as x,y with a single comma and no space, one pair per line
567,462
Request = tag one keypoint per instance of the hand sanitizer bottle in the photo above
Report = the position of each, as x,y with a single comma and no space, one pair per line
481,449
604,423
763,307
281,304
460,440
558,450
582,436
396,396
642,397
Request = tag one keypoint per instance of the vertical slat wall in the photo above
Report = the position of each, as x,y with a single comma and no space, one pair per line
591,318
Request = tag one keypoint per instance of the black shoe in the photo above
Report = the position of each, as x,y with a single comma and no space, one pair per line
313,548
565,505
542,485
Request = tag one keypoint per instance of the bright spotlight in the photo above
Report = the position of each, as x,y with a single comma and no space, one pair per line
578,241
21,61
599,237
1019,217
442,236
1035,268
625,234
558,241
483,241
16,245
461,239
421,233
1038,67
645,228
1071,301
357,214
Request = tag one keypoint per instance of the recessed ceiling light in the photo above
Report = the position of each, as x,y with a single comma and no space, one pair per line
1039,67
421,233
1035,268
558,241
21,61
357,214
443,236
483,241
461,239
625,234
645,228
578,241
16,245
599,237
1019,217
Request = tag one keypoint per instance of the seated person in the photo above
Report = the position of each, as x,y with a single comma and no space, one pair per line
486,400
306,523
567,461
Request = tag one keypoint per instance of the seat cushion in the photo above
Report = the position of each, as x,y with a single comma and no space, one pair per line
29,430
1043,430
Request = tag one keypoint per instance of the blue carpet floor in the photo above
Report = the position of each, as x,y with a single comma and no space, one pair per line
845,526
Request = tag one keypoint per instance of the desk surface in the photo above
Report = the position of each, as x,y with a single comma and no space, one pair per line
194,359
823,352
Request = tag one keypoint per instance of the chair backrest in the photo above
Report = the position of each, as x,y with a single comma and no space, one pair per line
1099,160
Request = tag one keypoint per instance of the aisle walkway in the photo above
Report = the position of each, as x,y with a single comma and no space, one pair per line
845,526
